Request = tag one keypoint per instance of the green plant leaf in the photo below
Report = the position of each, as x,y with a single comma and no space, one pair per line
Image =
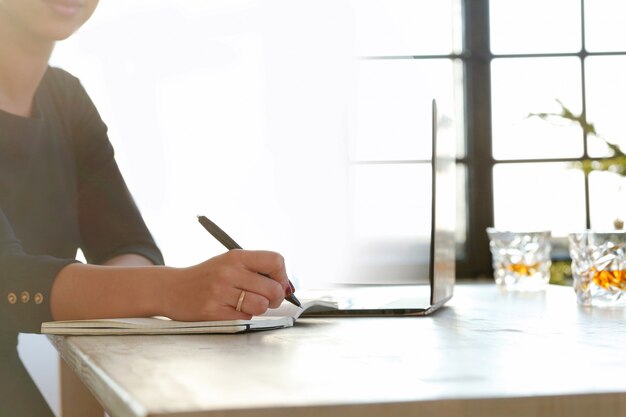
616,163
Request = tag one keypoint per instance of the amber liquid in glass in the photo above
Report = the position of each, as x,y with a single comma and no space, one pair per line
608,279
523,269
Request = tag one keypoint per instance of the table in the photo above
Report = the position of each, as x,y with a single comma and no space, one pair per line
488,353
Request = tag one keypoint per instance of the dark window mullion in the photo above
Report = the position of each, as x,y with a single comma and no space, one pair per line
478,116
584,108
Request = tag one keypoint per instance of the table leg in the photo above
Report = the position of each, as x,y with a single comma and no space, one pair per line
76,399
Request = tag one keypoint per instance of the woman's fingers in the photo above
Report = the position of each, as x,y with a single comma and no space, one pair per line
261,272
270,264
252,282
251,303
212,290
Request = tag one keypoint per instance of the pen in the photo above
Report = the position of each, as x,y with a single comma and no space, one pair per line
229,243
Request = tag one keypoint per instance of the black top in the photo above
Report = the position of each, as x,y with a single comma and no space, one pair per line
60,189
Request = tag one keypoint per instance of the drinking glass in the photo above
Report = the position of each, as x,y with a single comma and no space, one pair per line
599,267
521,260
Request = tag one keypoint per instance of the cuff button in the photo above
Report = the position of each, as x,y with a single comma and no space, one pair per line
11,298
38,298
25,297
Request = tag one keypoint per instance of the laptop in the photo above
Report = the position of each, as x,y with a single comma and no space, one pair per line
421,295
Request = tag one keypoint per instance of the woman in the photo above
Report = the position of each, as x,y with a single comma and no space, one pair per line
60,189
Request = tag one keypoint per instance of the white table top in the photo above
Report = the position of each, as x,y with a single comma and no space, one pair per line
486,353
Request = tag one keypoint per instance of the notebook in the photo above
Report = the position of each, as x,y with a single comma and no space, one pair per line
428,289
284,316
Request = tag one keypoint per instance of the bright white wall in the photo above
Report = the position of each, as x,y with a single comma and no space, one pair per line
233,109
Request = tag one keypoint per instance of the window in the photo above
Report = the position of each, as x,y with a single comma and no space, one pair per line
524,57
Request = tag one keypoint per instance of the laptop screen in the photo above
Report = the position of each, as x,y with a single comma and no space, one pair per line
442,265
427,260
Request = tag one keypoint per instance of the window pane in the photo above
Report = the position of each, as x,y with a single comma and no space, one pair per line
535,26
605,25
391,201
393,107
606,92
391,220
407,27
607,199
521,86
539,196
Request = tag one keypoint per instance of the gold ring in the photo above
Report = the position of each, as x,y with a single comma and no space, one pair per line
240,301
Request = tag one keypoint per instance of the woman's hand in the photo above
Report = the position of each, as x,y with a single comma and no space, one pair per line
212,290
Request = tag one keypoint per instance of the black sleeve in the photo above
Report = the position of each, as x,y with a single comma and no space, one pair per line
110,222
25,283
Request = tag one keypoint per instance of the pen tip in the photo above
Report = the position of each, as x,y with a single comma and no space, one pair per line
293,300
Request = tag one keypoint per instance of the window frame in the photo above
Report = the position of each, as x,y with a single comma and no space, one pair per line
480,163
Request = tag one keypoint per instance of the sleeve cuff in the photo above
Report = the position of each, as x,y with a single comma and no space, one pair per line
25,291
